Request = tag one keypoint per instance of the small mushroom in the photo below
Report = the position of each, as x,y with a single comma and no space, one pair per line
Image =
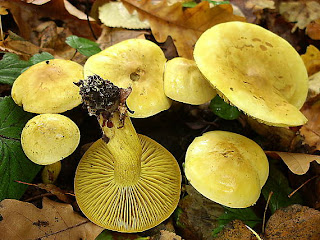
124,182
48,138
47,87
227,168
255,70
184,82
138,64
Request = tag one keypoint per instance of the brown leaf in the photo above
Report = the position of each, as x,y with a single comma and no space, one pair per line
313,30
295,222
166,235
300,12
311,130
298,163
28,17
236,230
184,26
311,60
23,220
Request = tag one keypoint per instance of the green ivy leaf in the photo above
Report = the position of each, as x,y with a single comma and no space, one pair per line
14,165
192,4
40,57
247,215
83,45
223,109
11,67
279,185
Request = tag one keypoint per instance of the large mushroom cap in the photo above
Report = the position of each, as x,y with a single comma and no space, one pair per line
227,168
132,208
135,63
48,87
184,82
256,70
48,138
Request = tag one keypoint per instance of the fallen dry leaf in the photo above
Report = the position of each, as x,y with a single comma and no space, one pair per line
298,163
22,220
236,230
294,222
28,16
311,130
300,12
314,86
311,60
313,30
184,26
166,235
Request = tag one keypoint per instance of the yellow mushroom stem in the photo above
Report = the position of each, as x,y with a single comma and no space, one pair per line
125,147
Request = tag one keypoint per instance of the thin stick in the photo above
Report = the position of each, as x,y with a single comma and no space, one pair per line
265,212
2,38
290,195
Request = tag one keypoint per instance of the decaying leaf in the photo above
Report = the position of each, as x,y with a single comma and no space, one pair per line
22,220
311,130
255,5
114,14
298,163
294,222
166,235
300,12
314,85
28,16
313,30
311,60
184,26
236,230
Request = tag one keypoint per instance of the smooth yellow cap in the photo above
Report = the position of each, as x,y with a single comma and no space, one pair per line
255,70
227,168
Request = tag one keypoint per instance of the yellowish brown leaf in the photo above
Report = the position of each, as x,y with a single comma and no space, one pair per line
22,220
184,26
311,60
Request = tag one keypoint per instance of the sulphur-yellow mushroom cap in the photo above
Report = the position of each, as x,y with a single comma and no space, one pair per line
184,82
128,208
227,168
135,63
48,87
255,70
48,138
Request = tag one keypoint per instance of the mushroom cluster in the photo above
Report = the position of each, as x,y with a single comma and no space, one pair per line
124,182
48,88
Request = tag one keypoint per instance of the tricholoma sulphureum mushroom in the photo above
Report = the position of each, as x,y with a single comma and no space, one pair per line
227,168
255,70
124,182
48,138
47,87
184,82
138,64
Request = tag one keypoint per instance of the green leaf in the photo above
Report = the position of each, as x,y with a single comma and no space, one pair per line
223,109
11,67
14,165
109,235
279,185
247,215
40,57
190,4
216,3
83,45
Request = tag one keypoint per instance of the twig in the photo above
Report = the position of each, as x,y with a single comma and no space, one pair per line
265,212
39,196
88,20
290,195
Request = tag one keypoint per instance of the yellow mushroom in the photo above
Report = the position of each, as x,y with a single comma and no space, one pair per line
48,138
255,70
47,87
184,82
135,63
227,168
124,182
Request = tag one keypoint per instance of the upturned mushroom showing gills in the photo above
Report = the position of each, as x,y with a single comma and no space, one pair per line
255,70
49,138
47,87
124,182
138,64
227,168
184,82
